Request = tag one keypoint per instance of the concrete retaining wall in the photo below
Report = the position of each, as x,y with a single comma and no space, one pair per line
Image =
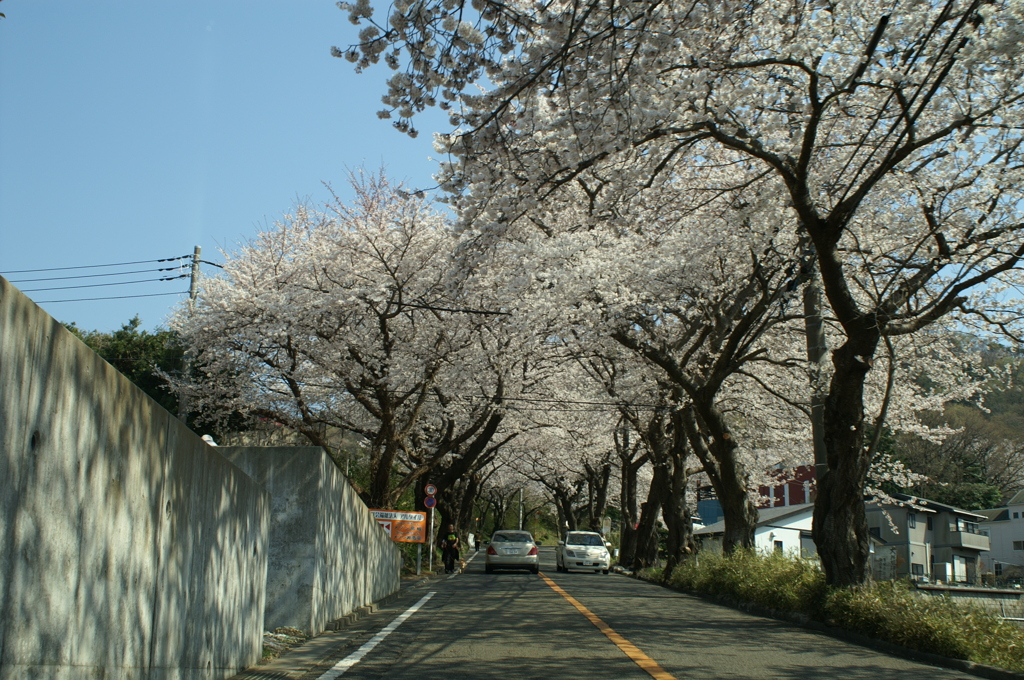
999,601
327,555
128,547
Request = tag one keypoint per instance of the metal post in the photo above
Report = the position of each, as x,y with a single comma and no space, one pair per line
419,557
430,539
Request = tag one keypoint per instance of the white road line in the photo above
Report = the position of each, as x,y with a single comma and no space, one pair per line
355,657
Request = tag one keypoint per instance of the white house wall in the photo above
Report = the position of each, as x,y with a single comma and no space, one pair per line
1002,535
786,530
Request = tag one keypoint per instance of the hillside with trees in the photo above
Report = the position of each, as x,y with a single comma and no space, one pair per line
980,462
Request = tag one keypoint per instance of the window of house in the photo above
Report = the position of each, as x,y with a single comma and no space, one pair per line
917,569
911,520
778,546
1018,545
969,527
929,523
999,568
1015,515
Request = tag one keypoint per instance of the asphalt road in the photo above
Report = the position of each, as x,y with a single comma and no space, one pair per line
511,625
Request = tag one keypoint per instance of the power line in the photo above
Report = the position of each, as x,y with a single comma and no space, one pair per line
93,276
116,297
533,400
457,311
93,266
526,409
601,405
99,285
109,359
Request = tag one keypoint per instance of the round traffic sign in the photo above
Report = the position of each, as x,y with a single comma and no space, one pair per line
430,491
430,501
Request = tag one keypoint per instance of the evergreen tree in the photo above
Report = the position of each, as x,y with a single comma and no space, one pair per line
138,354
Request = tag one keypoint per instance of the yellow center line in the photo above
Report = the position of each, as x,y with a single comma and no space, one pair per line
628,648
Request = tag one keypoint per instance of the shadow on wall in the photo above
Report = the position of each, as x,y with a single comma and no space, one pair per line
128,543
327,555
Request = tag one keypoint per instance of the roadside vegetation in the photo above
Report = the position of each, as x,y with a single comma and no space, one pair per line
281,640
888,611
139,355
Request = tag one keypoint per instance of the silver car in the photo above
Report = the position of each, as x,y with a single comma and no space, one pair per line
582,550
512,550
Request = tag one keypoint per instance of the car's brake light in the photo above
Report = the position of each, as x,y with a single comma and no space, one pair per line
491,550
533,550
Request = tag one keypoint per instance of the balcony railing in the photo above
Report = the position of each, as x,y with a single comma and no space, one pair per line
969,539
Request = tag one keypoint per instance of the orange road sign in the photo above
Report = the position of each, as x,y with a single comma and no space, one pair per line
403,527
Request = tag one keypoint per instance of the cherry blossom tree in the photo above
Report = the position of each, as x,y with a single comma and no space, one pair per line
340,318
645,407
569,455
499,493
888,135
465,423
641,406
698,310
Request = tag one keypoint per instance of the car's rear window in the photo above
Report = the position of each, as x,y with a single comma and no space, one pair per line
512,538
583,539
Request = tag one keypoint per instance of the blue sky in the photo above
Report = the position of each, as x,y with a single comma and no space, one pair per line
134,131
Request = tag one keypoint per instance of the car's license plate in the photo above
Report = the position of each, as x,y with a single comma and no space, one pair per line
587,563
511,551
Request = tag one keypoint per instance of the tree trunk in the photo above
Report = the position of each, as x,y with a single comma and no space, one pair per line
727,475
738,511
679,544
565,509
446,511
499,507
597,495
840,525
629,470
646,551
627,500
627,545
382,463
469,497
455,505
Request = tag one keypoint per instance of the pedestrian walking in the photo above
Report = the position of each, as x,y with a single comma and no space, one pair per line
450,549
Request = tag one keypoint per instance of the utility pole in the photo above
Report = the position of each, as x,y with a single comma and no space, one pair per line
520,508
193,288
817,351
186,360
